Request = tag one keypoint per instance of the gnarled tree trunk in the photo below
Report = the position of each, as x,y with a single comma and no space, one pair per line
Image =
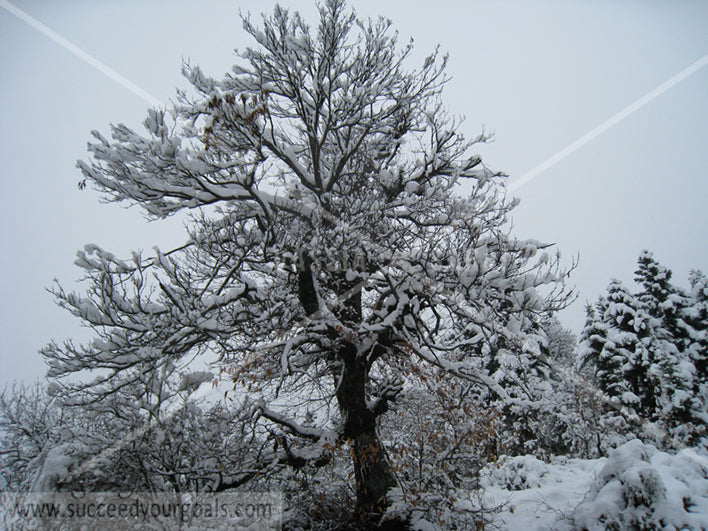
372,472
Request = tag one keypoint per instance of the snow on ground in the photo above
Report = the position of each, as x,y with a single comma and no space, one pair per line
637,485
538,494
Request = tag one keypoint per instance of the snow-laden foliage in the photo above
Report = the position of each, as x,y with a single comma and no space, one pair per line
637,487
30,423
695,325
641,488
342,233
115,448
646,351
439,434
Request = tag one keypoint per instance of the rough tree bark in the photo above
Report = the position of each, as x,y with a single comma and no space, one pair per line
373,476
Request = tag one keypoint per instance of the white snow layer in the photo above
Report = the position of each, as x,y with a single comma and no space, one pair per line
636,487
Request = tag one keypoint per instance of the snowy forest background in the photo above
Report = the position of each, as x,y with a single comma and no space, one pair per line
383,347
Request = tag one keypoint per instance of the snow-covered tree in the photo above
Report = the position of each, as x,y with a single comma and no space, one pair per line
592,337
625,362
669,338
611,347
341,232
46,447
30,423
695,315
645,350
657,291
560,341
694,320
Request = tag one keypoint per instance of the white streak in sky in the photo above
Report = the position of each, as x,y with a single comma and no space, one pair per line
78,52
604,126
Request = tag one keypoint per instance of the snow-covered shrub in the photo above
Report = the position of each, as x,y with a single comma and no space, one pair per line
314,502
516,473
439,437
53,465
44,447
457,509
642,488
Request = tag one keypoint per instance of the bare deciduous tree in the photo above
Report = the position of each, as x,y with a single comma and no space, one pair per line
341,232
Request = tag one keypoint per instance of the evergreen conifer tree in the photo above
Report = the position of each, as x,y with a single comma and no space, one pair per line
648,350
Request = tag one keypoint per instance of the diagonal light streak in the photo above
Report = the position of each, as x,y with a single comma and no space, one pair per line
81,54
607,124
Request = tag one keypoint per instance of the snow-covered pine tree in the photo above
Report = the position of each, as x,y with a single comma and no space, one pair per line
612,356
668,340
695,315
623,362
694,319
655,279
529,374
618,344
342,231
649,351
592,337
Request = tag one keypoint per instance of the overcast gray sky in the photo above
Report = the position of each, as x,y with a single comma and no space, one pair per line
540,74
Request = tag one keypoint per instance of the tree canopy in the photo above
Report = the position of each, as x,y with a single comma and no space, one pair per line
342,234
